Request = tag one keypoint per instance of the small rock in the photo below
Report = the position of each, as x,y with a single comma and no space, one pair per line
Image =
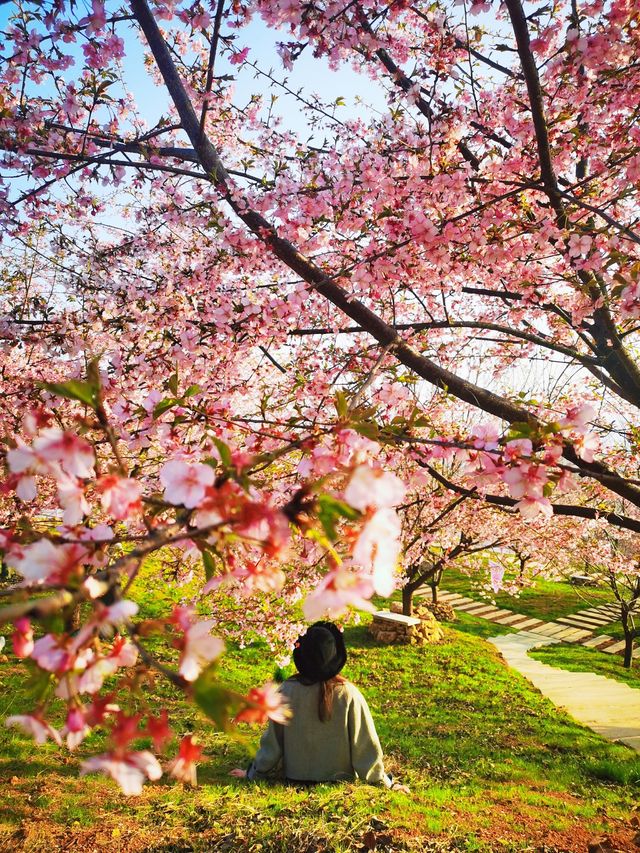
601,845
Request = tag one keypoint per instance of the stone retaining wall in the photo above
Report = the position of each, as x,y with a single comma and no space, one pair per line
394,628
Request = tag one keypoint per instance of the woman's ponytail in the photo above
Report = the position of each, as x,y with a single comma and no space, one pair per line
325,697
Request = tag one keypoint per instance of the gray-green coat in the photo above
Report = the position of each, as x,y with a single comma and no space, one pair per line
308,750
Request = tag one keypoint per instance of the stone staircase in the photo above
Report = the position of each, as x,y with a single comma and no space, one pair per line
575,628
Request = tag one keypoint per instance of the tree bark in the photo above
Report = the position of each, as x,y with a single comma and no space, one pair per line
407,601
628,650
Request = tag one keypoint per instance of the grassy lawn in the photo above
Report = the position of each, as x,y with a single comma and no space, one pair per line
582,659
613,629
468,624
546,600
492,766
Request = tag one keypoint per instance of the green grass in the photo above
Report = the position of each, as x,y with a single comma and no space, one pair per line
492,766
613,629
546,600
581,659
468,624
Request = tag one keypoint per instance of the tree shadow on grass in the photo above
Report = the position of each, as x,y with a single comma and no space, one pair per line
358,637
29,769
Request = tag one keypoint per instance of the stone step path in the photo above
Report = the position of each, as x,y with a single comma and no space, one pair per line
608,707
593,617
576,628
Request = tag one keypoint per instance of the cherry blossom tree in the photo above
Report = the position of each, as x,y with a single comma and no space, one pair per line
250,342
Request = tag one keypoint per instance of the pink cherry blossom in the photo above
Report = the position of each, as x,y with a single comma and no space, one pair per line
526,480
74,454
239,57
586,445
578,417
338,590
185,483
72,498
116,614
122,654
183,766
21,458
75,728
129,770
497,573
249,576
26,488
36,726
532,507
53,653
119,496
198,646
265,703
373,488
22,638
579,245
377,549
44,562
630,301
486,436
516,448
98,18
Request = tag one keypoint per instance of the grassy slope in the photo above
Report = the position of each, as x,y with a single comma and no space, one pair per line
491,764
547,600
614,629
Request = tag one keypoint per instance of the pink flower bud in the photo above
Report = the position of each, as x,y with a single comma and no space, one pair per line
75,720
22,638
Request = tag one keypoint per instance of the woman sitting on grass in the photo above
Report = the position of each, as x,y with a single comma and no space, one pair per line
331,736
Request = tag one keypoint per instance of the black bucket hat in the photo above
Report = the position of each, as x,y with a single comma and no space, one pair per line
320,653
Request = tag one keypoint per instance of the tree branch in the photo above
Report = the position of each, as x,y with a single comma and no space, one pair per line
318,280
613,518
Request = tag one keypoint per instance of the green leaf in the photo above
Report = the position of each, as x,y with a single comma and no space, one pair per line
323,540
224,451
330,510
87,392
342,405
521,429
209,563
369,429
74,389
37,684
191,391
164,406
218,703
172,384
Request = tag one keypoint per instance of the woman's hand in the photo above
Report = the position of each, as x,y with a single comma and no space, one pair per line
238,772
392,785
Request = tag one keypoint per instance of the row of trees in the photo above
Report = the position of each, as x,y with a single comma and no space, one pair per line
295,355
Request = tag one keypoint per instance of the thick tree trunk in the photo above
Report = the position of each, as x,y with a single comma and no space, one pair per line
434,591
628,650
407,601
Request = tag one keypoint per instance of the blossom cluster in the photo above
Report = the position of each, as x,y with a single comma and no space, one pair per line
530,468
111,521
